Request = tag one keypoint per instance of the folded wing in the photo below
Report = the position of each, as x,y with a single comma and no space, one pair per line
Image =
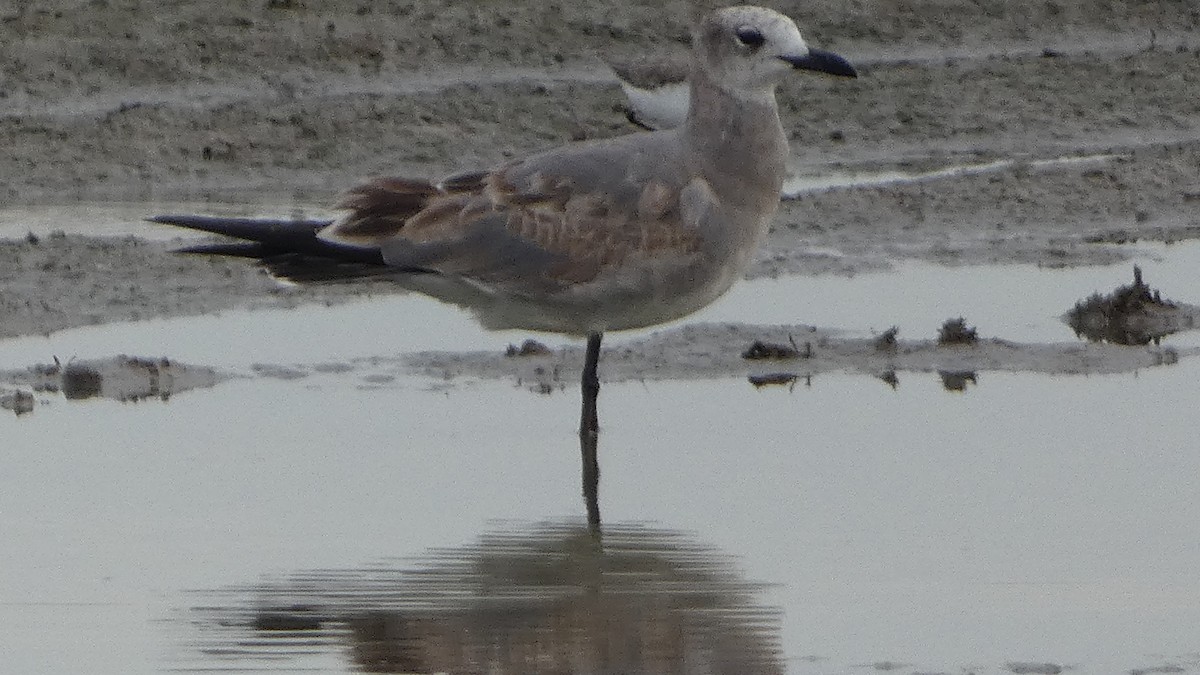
564,217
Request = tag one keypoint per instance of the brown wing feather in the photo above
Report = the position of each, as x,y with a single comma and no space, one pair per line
472,181
387,197
587,231
443,219
379,209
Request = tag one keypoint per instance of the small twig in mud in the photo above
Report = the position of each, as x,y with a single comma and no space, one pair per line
760,350
957,332
886,342
528,348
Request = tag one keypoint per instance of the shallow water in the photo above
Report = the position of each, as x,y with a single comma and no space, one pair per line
911,525
1028,522
1021,303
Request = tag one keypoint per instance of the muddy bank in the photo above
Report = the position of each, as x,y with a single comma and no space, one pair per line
111,99
764,355
56,282
702,351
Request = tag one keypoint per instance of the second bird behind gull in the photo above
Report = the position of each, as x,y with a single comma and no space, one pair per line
598,236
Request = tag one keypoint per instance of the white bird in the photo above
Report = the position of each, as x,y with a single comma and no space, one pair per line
586,238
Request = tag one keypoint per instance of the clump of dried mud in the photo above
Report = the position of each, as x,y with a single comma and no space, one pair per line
1134,314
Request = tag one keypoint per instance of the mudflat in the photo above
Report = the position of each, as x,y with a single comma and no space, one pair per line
1049,133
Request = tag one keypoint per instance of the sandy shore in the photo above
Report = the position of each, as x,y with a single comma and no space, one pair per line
288,102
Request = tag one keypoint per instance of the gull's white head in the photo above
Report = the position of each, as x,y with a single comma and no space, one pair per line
749,49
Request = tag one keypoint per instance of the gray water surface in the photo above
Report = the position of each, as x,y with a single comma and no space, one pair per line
1029,519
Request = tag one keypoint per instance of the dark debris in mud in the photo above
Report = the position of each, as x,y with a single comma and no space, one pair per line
529,347
761,351
886,341
1134,314
79,381
957,332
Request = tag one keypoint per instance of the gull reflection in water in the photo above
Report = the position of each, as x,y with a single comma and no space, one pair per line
538,598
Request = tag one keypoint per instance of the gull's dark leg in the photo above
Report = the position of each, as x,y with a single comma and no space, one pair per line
589,431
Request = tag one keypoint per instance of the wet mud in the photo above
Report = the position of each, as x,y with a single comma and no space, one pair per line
288,103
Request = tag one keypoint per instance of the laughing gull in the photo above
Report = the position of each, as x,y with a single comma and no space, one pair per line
597,236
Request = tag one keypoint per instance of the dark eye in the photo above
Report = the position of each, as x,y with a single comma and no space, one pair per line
748,36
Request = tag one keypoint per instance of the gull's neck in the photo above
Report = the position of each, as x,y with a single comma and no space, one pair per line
739,138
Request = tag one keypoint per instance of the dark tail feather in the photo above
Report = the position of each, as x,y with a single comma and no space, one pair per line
250,229
290,249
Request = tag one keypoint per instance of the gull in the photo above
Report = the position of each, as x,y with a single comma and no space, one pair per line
583,239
